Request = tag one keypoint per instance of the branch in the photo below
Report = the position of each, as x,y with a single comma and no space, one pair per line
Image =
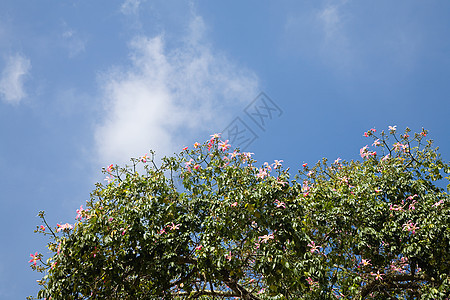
393,282
206,293
237,288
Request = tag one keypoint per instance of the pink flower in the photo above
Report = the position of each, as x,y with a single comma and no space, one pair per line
262,173
411,197
224,145
281,181
305,188
412,205
188,165
277,164
215,136
144,158
80,213
363,152
376,142
196,145
210,144
199,247
377,275
64,227
314,247
398,146
393,128
410,226
304,165
280,204
34,258
174,227
197,167
234,204
246,156
268,167
395,207
266,238
313,284
438,203
42,227
395,268
228,256
337,160
109,168
365,262
233,154
385,157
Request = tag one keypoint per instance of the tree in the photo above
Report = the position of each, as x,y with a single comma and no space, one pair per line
376,228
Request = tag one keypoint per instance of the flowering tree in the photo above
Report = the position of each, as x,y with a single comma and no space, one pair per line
370,229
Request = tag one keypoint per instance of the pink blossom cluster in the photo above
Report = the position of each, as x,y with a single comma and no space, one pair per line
313,284
279,204
399,146
370,132
144,158
365,153
81,213
399,266
66,226
410,226
305,188
438,203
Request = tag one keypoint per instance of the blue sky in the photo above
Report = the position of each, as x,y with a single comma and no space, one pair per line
84,84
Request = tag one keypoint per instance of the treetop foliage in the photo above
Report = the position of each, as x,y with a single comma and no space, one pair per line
374,228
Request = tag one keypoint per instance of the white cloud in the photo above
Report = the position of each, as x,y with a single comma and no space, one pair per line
167,97
12,79
331,20
335,45
130,7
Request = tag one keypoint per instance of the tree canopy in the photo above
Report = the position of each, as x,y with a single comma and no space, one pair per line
373,228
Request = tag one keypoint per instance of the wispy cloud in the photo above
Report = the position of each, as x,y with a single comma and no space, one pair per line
73,42
12,79
130,7
168,96
331,19
346,38
321,31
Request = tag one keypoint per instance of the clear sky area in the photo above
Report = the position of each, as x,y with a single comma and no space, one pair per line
86,84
